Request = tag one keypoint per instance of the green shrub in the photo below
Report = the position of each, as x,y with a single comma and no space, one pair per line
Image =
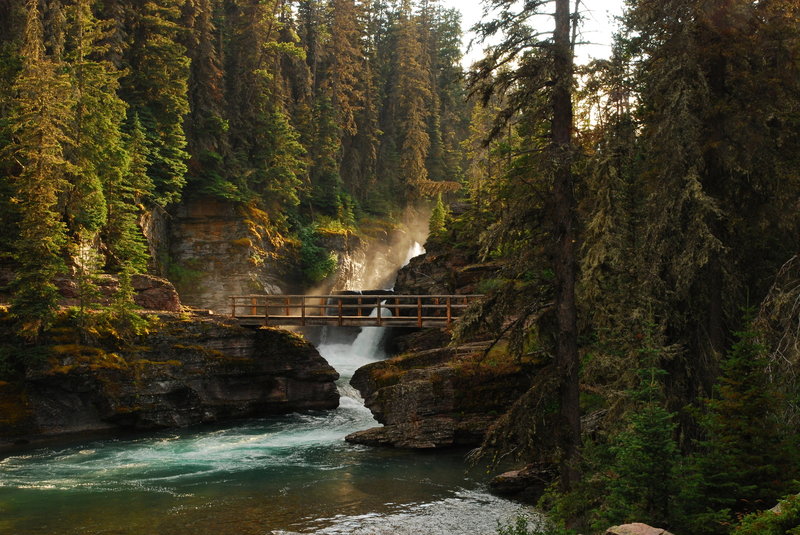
785,521
316,262
521,526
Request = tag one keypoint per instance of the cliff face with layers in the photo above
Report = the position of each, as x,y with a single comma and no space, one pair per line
217,249
189,371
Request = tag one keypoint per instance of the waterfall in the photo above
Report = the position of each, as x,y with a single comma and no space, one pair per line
415,250
366,348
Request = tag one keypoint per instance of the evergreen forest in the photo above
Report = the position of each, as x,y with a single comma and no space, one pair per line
641,212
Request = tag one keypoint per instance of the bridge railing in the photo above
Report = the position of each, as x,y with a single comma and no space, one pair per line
355,310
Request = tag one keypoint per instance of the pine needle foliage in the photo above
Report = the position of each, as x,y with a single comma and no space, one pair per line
39,126
749,457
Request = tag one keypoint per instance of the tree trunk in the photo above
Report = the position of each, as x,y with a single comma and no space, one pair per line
564,263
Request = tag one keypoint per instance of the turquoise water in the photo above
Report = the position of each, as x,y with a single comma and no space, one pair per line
290,474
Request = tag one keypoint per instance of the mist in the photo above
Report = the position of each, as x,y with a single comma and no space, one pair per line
374,265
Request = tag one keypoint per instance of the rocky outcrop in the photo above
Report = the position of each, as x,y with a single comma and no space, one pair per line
636,528
191,371
150,292
527,484
436,398
218,249
154,293
443,271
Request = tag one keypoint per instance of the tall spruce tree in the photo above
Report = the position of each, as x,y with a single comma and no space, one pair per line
39,126
540,88
155,87
206,126
710,77
11,26
266,152
748,458
413,97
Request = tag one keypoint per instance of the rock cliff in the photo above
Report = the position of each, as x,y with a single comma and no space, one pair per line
436,398
218,249
189,371
443,270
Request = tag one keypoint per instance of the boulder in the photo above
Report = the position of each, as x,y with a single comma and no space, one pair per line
637,528
154,293
528,483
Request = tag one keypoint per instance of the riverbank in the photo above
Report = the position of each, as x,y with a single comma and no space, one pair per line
188,370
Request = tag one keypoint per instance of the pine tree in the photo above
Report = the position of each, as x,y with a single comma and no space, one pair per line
749,457
341,84
39,126
11,22
128,250
126,193
360,150
206,126
266,149
541,86
707,85
644,481
155,87
413,98
96,153
436,226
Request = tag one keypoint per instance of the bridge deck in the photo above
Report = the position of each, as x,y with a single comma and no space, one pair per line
359,310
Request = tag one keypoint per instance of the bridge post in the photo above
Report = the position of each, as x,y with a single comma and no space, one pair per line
449,312
266,311
419,311
380,321
340,312
303,311
253,306
233,306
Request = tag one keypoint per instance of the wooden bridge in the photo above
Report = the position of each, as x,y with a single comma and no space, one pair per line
350,310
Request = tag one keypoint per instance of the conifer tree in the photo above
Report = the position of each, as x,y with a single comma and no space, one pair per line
749,457
644,483
436,226
360,150
39,126
266,151
344,70
206,126
155,87
708,82
96,153
11,24
541,86
414,95
126,194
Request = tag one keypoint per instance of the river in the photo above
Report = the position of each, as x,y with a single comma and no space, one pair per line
279,475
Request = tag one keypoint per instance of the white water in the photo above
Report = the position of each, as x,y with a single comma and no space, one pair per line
415,250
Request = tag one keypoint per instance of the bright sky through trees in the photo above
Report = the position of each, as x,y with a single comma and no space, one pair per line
597,27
